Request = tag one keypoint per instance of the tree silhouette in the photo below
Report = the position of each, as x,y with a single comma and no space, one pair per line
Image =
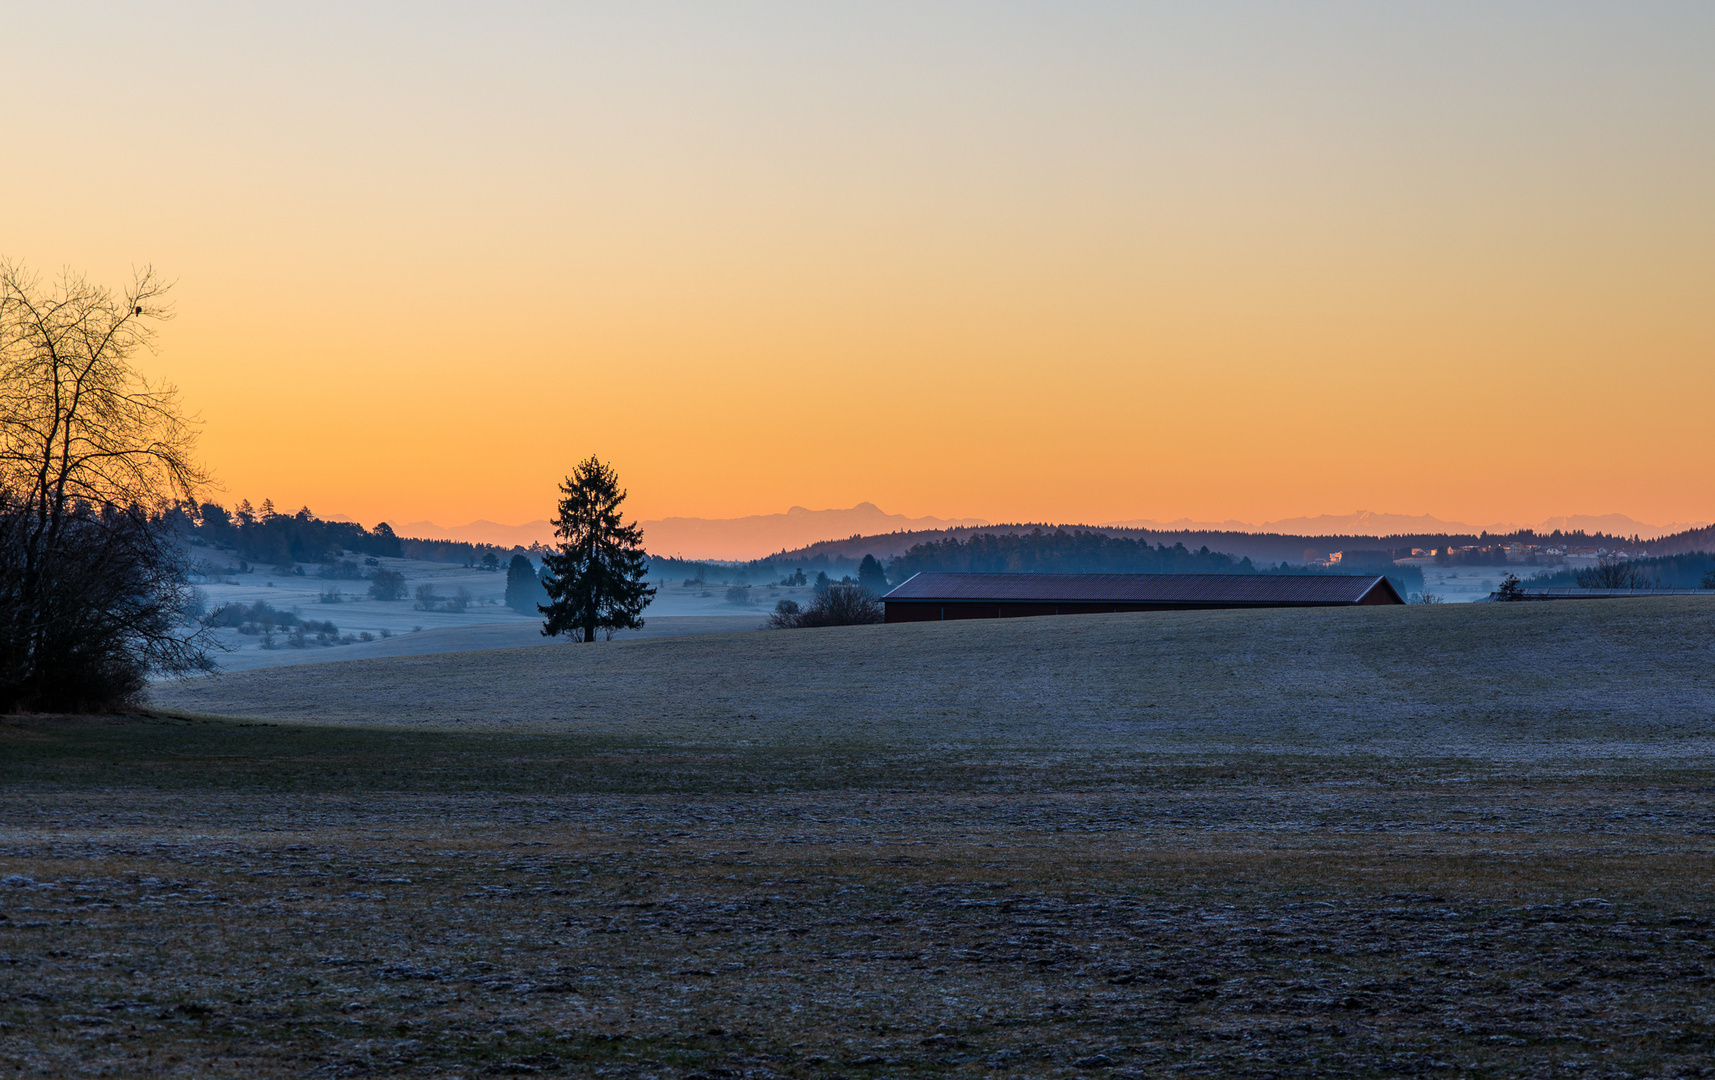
521,586
387,585
595,580
96,476
1510,591
871,577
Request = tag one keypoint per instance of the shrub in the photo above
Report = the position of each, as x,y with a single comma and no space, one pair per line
1510,590
426,598
738,594
785,616
840,605
332,596
387,585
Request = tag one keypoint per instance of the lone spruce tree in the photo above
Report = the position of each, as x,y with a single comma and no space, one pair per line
595,582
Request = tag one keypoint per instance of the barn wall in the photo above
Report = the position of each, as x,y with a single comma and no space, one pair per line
1380,595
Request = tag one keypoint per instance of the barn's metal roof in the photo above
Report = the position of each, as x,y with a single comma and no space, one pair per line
1237,590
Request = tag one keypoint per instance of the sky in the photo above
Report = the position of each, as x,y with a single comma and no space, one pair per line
1021,261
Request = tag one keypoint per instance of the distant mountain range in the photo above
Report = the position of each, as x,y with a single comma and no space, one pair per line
1370,523
480,532
759,535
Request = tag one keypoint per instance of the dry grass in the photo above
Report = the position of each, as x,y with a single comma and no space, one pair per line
1451,842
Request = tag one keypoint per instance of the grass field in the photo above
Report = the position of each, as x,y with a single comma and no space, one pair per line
1457,841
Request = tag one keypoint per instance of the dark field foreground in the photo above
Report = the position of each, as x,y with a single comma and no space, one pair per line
1432,842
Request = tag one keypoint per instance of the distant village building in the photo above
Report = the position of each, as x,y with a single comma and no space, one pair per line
933,597
1362,561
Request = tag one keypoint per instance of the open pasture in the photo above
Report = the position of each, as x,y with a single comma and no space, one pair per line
1457,841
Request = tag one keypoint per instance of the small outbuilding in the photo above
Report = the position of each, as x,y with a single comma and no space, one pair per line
933,597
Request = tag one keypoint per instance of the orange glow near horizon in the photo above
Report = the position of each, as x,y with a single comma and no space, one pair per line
1001,261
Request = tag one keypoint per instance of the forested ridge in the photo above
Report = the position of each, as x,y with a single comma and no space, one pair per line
274,539
1061,552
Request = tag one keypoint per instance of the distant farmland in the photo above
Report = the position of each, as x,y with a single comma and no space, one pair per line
1452,841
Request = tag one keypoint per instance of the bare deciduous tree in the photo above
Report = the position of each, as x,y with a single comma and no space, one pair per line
94,461
1612,574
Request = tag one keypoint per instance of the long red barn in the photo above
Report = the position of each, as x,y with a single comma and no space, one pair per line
932,597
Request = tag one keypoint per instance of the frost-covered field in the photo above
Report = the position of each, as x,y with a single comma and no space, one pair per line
1469,840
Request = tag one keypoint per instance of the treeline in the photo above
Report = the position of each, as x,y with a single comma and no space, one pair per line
460,552
751,572
1089,552
1691,541
1691,571
274,539
1040,551
269,538
1266,549
1060,552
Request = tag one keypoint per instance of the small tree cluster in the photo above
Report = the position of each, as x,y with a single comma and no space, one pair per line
1612,574
261,618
